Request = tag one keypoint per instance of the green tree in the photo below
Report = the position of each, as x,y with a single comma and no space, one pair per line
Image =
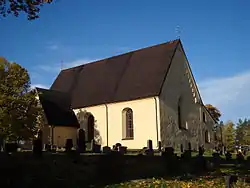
215,113
30,7
19,107
229,135
243,132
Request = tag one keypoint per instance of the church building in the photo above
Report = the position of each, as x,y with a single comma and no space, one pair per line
145,94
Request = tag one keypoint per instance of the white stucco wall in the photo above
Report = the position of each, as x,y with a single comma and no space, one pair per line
60,135
144,118
179,83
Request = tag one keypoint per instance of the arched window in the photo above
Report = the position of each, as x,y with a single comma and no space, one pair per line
203,117
207,137
127,121
179,114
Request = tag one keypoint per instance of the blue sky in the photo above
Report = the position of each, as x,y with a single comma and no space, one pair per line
215,35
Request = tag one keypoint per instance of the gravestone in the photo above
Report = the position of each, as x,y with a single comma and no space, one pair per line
81,143
122,149
40,136
116,146
68,145
97,148
37,147
216,159
201,150
189,146
150,145
106,149
171,160
149,150
159,146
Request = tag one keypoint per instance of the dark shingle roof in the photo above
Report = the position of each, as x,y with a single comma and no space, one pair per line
134,75
57,108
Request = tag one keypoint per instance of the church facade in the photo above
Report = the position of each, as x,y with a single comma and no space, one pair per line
145,94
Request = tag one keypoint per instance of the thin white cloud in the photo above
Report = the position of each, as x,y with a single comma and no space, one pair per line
229,94
55,68
53,47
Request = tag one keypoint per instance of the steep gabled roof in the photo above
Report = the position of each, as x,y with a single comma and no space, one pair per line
130,76
57,108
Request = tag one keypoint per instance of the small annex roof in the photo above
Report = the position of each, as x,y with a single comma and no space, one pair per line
57,108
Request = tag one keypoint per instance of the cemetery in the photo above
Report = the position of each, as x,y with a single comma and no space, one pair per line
112,166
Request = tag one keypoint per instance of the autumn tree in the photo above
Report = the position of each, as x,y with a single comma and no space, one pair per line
229,135
216,114
18,103
30,7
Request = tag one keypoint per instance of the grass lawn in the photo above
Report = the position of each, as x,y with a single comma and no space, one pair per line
206,182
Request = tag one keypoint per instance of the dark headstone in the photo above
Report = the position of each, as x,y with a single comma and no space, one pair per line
96,148
216,159
116,146
171,160
37,147
169,150
201,150
106,149
189,146
122,149
200,164
150,145
68,145
81,143
159,146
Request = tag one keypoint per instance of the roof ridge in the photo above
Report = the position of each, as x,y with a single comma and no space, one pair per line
133,75
126,53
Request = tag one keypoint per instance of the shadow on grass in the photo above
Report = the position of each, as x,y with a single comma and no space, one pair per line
24,170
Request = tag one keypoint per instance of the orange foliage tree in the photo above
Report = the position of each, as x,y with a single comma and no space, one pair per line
213,111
